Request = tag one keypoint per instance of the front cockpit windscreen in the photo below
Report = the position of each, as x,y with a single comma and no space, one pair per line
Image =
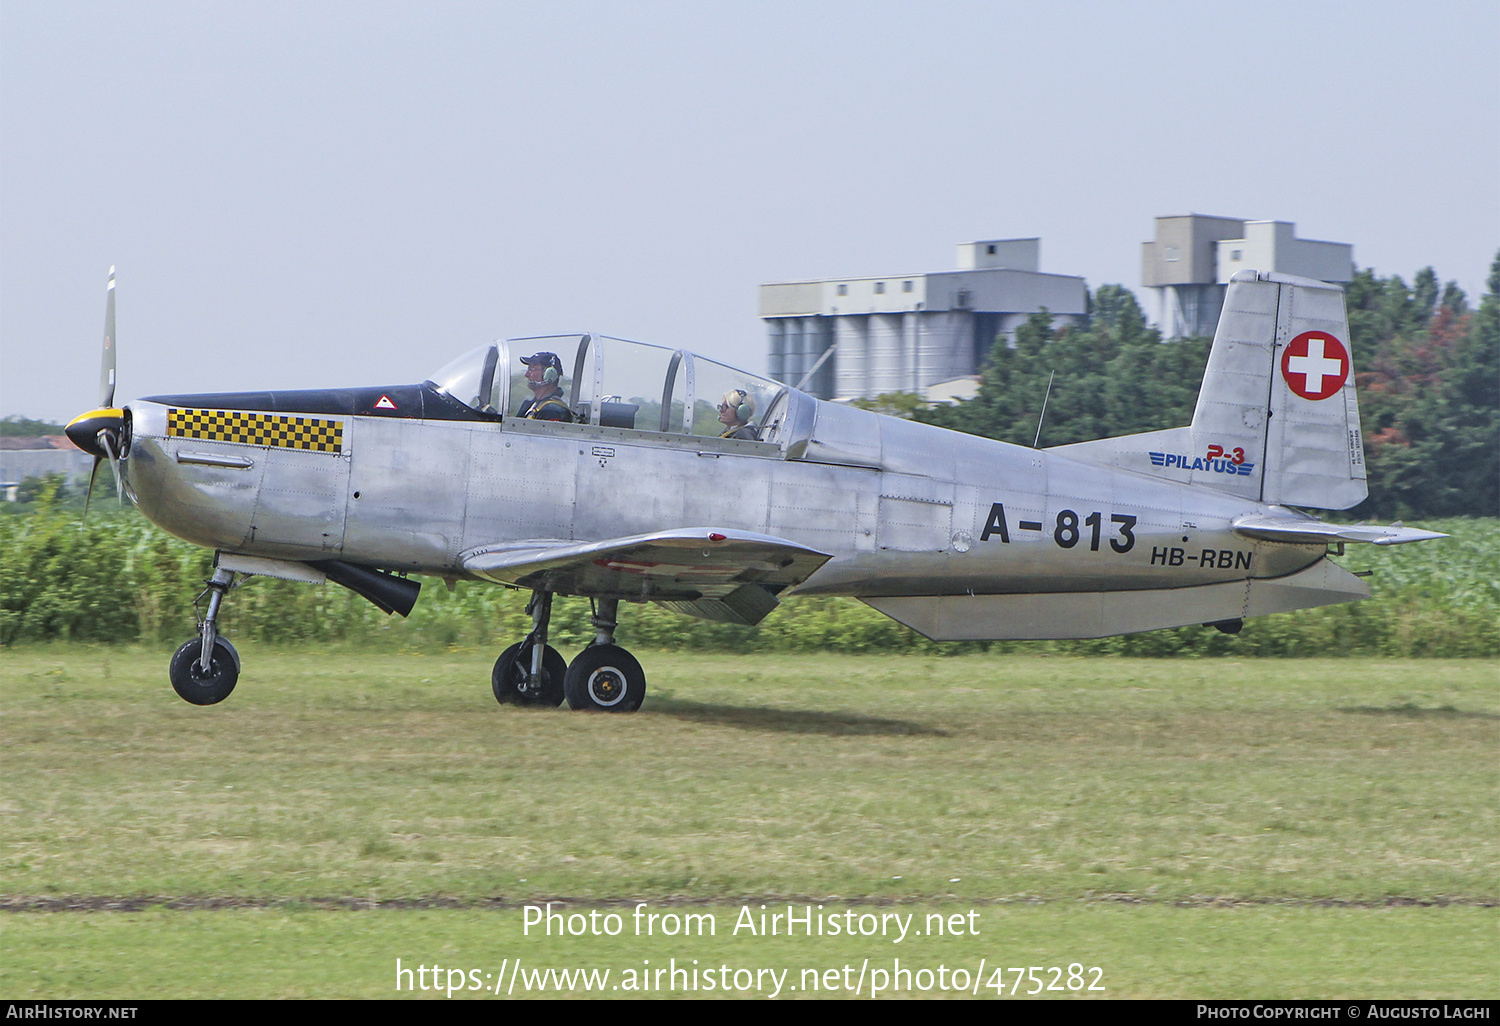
475,379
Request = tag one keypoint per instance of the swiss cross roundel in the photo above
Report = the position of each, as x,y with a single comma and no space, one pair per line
1315,365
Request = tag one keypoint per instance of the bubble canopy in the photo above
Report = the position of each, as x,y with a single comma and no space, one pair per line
613,382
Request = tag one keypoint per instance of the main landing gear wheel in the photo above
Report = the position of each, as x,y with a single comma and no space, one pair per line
193,684
513,671
605,678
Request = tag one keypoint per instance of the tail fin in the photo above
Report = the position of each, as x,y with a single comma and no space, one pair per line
1277,420
1279,389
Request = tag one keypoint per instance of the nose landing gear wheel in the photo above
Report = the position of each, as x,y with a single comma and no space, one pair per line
509,679
605,678
192,684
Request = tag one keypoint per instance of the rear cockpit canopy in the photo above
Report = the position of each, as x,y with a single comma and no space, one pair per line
612,382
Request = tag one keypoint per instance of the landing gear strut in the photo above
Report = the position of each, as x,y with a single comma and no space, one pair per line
531,671
205,670
604,677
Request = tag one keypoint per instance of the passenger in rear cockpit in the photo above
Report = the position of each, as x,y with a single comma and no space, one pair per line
735,411
543,372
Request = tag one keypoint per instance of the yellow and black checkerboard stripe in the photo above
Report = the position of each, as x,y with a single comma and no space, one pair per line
285,432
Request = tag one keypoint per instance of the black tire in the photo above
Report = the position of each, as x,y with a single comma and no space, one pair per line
514,666
605,678
195,686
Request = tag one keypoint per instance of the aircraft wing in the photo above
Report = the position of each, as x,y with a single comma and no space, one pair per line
716,573
1307,531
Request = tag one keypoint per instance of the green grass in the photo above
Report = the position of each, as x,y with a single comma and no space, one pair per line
1196,828
1151,951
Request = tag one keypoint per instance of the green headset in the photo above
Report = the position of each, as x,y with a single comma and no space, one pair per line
551,375
739,399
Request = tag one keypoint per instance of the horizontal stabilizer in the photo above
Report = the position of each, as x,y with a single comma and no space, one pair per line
1306,531
681,565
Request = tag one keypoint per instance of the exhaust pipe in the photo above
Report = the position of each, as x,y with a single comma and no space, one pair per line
387,591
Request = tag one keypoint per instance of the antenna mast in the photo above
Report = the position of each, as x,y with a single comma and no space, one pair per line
1037,444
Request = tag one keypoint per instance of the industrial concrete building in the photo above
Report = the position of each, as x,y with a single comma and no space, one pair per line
844,338
1189,264
21,458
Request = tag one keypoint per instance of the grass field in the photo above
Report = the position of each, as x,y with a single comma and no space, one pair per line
1194,828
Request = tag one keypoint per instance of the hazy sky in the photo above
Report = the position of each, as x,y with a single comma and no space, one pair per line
315,194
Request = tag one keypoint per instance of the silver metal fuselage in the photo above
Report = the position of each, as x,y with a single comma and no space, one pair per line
905,509
956,536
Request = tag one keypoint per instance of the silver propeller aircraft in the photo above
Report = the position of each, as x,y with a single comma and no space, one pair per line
623,484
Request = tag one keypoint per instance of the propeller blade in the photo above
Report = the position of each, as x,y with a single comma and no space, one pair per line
100,431
89,494
107,365
106,440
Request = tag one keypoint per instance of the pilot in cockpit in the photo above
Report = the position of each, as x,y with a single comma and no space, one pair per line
735,411
543,372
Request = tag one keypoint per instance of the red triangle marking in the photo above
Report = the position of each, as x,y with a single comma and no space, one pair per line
385,403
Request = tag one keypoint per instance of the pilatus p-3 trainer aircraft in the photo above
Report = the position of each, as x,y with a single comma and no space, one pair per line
587,465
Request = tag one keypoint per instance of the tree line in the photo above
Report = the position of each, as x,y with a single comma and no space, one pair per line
1426,363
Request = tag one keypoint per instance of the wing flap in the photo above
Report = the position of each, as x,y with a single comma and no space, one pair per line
681,565
747,605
